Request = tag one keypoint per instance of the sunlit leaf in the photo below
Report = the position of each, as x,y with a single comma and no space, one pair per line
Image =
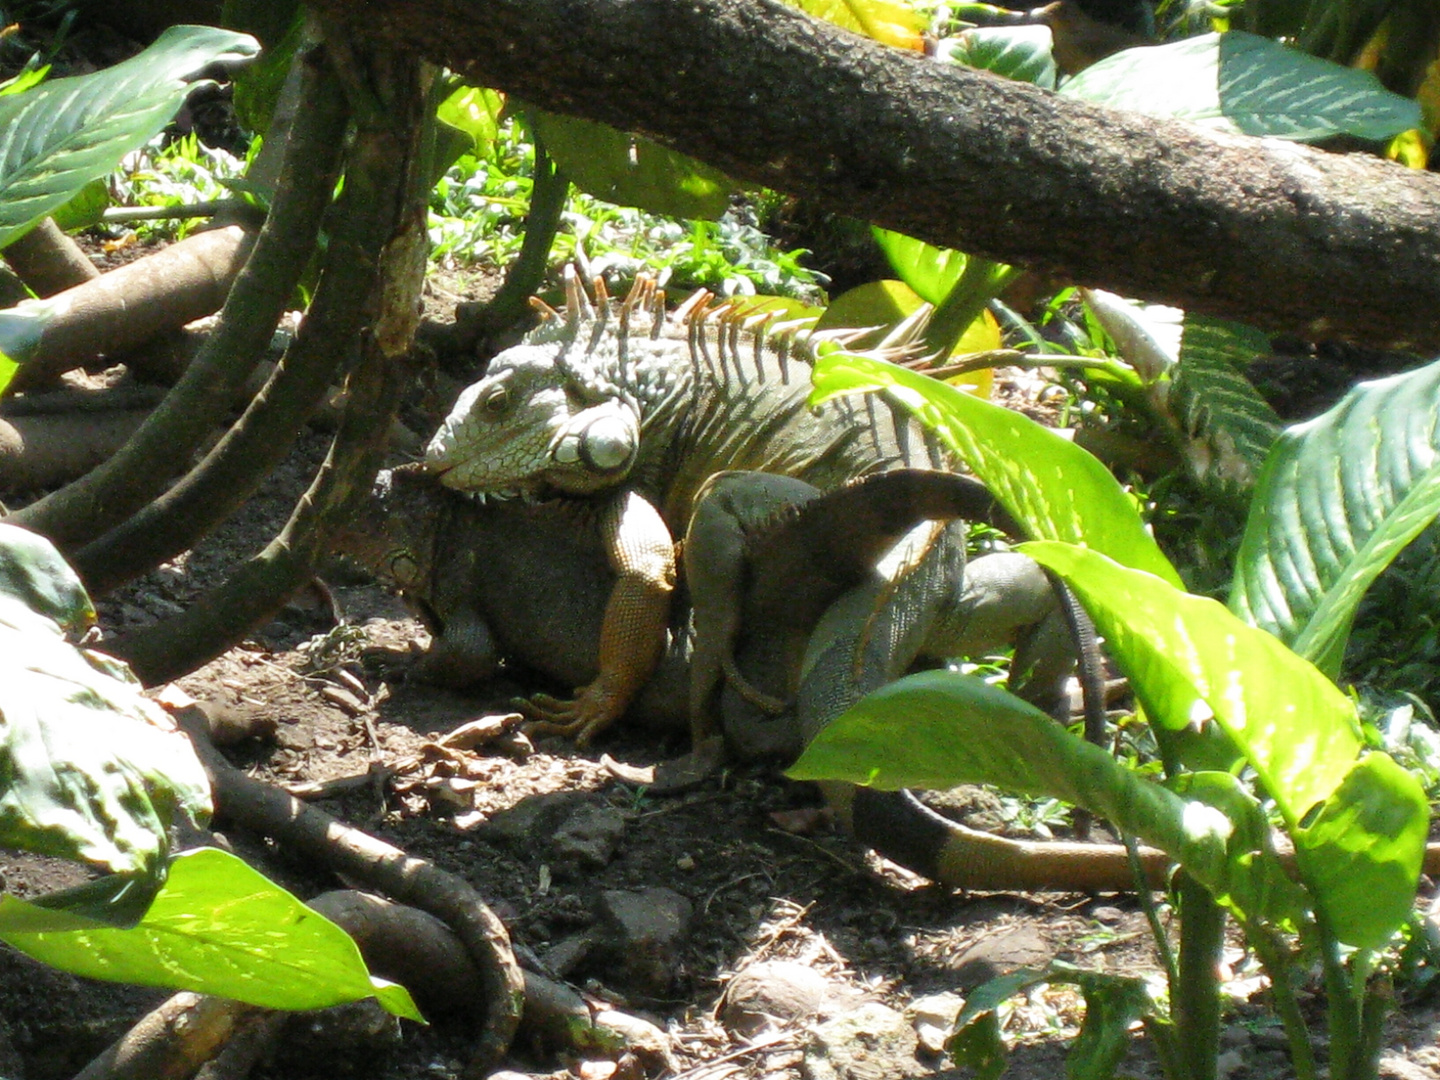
1189,659
1362,854
1017,52
930,271
631,171
58,137
1339,496
216,927
1052,487
1247,84
960,730
890,22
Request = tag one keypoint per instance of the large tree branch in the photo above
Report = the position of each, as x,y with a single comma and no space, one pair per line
1277,235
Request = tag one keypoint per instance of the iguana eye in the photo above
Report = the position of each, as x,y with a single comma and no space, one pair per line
495,400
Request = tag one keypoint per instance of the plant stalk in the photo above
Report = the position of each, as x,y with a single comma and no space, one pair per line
1195,999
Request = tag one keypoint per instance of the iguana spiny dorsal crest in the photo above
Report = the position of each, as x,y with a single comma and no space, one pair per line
614,394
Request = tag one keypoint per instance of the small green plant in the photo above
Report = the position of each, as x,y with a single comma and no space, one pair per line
1253,734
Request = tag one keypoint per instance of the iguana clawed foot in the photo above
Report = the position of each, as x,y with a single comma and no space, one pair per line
580,718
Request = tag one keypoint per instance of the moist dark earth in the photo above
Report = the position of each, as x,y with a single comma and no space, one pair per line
744,872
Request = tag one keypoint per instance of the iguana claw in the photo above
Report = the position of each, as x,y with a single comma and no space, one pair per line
580,718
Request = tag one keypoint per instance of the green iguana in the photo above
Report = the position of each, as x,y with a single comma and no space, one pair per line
530,583
634,412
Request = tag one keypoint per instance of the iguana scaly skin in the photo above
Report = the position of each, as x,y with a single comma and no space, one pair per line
823,616
620,404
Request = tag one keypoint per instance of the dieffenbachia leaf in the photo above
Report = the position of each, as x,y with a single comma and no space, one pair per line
1247,84
60,135
1338,497
215,927
1053,488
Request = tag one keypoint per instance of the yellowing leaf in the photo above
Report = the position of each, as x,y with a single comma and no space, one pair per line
890,22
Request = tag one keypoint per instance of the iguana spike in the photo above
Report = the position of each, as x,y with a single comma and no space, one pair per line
547,312
907,331
602,296
693,306
577,304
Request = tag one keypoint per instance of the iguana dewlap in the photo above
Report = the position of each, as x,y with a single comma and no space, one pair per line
635,411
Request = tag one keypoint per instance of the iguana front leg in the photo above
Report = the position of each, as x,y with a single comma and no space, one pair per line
641,551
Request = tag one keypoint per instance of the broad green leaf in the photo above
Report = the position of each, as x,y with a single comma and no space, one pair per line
89,769
959,729
58,137
33,572
1052,487
1112,1004
1022,53
930,271
216,927
891,22
978,1045
85,209
1247,84
1195,382
1362,854
877,304
631,171
1230,426
476,112
1339,496
258,87
1189,659
8,368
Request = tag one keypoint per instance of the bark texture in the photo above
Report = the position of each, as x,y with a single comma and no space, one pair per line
1280,236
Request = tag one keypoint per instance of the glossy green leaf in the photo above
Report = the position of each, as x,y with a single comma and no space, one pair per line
631,171
476,112
1112,1004
1022,53
930,271
58,137
1052,487
1230,426
258,87
1189,659
959,730
26,80
33,572
1362,854
89,769
1247,84
216,927
877,304
85,209
1339,496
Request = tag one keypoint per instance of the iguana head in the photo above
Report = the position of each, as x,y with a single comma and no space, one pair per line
529,428
557,414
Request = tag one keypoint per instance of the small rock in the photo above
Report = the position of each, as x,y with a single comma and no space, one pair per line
934,1018
565,955
1000,954
538,815
873,1042
1234,1037
685,862
642,933
588,838
1107,915
772,992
